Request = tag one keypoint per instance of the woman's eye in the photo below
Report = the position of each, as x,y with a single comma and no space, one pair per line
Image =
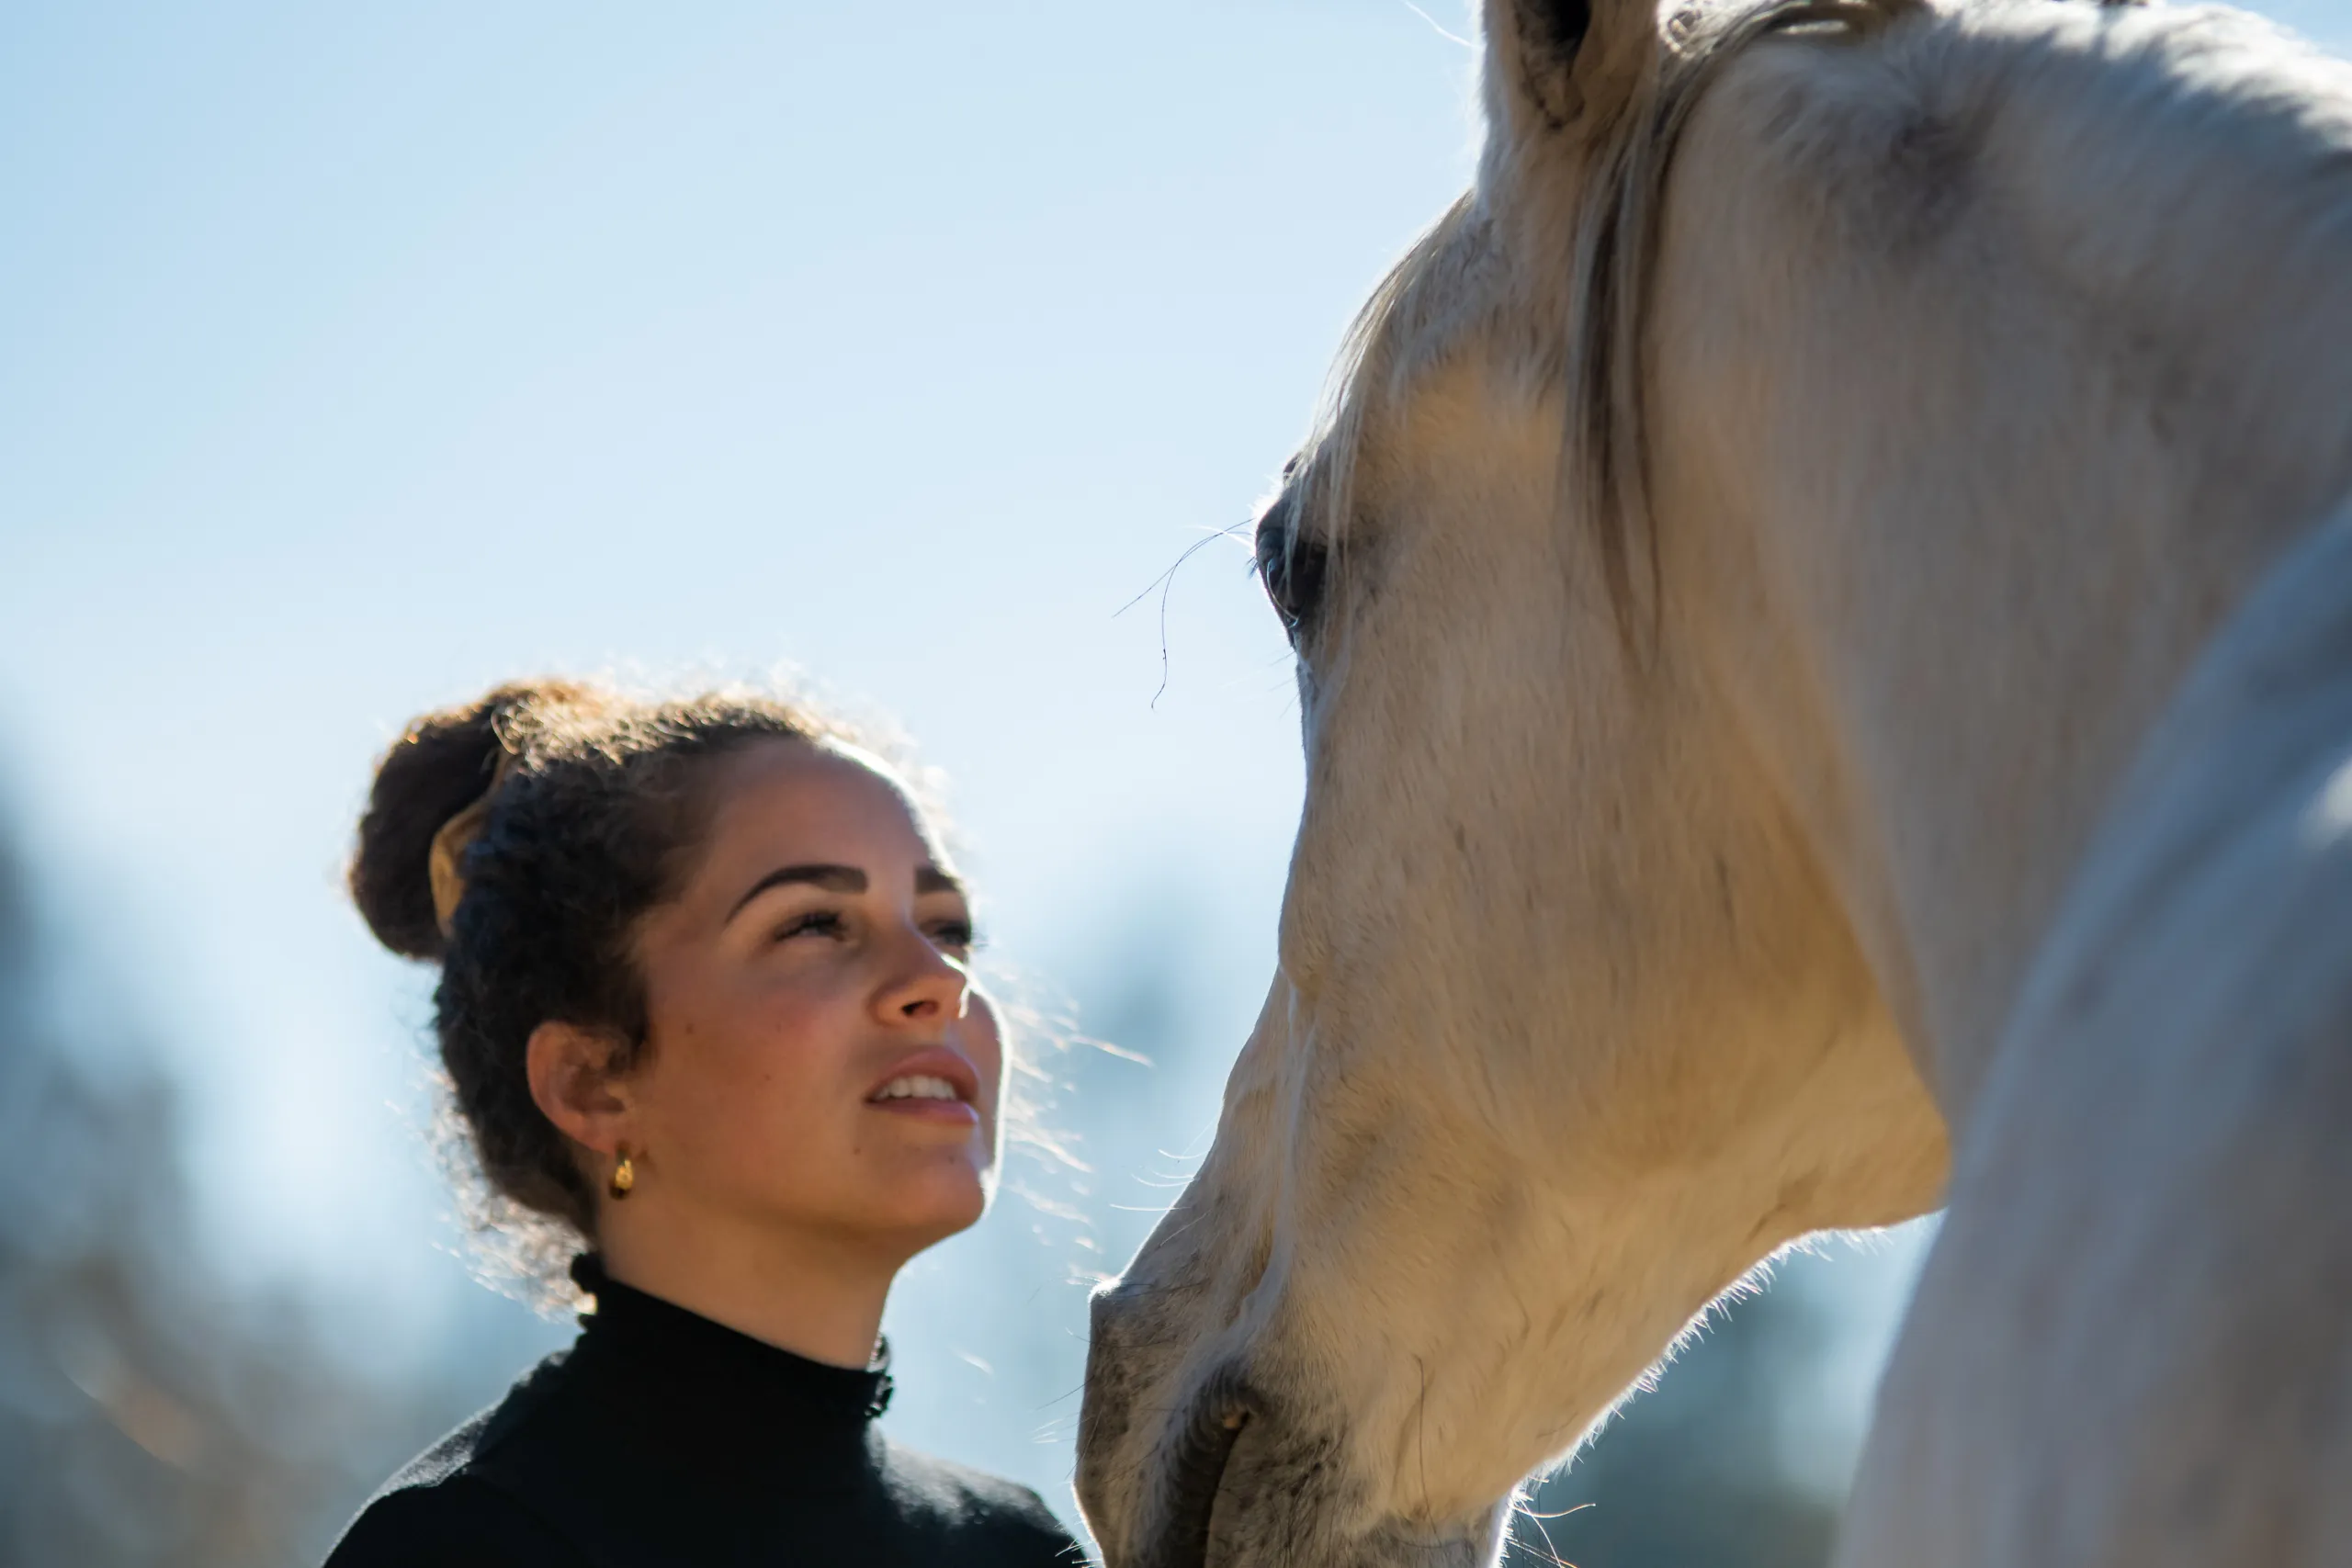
816,923
957,934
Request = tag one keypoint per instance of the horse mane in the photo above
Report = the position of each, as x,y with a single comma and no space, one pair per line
1605,448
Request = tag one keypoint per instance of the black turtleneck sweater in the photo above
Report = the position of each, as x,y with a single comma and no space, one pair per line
662,1438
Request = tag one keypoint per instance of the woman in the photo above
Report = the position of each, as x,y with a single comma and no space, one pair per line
705,1008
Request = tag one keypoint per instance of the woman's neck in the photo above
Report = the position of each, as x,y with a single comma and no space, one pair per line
815,1296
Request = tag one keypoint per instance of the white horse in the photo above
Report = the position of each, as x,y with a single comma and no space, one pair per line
1756,530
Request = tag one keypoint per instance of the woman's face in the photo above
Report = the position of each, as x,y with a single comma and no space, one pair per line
816,1056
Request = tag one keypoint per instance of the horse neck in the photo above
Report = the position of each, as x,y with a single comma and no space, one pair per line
2014,459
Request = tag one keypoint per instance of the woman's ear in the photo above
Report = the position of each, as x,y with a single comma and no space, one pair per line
572,1081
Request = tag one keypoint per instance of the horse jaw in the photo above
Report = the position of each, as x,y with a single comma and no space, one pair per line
1844,566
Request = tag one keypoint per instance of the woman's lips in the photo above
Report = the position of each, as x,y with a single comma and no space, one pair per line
935,1085
943,1113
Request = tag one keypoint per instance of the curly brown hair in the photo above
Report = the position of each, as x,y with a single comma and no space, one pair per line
598,801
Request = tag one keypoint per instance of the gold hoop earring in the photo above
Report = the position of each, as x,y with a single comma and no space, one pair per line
623,1178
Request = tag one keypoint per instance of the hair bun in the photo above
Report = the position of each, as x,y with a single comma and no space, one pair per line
438,767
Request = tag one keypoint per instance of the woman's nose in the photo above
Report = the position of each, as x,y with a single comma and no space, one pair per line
926,984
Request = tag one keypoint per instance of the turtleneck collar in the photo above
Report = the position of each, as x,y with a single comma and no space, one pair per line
729,1376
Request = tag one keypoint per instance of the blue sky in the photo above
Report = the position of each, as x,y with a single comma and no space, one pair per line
360,357
363,359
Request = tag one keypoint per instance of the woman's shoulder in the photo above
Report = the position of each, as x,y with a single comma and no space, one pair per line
980,1519
458,1521
440,1508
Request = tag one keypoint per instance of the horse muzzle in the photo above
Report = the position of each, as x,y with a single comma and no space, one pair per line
1228,1473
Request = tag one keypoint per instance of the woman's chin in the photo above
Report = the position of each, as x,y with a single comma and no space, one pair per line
945,1202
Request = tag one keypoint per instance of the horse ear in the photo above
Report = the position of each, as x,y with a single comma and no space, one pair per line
1565,65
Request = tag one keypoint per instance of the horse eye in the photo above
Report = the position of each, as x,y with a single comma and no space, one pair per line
1292,569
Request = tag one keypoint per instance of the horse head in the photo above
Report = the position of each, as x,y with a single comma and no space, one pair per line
1623,570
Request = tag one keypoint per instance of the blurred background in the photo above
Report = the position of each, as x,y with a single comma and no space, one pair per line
357,359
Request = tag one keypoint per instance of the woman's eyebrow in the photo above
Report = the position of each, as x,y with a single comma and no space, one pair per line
931,879
832,878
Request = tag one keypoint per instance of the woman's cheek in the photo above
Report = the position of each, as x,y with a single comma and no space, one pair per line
987,1047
